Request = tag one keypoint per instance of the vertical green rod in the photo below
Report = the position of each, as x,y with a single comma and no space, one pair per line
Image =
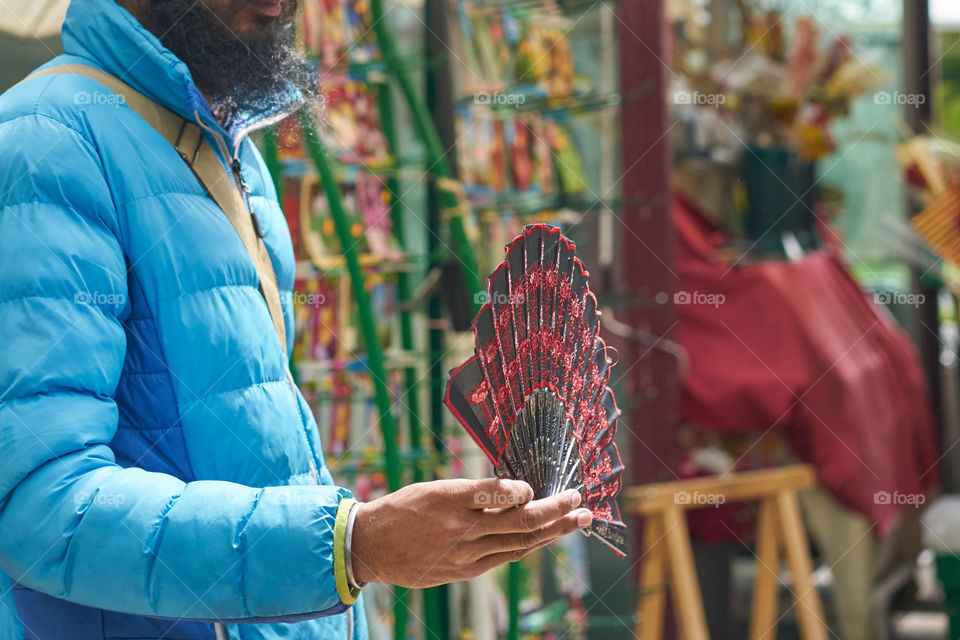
404,285
368,328
272,159
431,611
437,163
513,595
436,156
451,203
404,293
437,94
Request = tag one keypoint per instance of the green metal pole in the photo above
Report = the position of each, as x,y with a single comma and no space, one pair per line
404,285
404,293
437,163
368,328
513,595
431,604
451,203
272,159
436,156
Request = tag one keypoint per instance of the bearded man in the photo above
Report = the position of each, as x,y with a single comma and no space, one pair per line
161,475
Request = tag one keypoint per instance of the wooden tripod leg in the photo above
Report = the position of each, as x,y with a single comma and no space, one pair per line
652,596
809,609
683,576
766,588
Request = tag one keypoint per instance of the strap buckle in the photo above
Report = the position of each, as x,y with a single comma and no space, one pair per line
190,159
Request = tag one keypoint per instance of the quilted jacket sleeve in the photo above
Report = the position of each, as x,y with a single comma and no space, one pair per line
73,523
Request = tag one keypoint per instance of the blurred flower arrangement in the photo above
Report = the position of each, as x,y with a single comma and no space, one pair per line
755,95
769,93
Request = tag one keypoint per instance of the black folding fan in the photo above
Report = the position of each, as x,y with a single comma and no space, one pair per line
535,396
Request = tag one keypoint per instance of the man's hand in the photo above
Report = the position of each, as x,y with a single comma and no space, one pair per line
436,532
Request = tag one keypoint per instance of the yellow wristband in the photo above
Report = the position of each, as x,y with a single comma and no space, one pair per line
347,594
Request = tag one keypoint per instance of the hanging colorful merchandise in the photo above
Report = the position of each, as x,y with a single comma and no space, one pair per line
526,47
337,32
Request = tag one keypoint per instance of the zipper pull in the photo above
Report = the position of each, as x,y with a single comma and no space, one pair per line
238,172
256,224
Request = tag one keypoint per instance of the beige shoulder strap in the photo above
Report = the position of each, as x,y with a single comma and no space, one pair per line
219,184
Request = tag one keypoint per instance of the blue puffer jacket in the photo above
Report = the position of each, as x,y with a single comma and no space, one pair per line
155,457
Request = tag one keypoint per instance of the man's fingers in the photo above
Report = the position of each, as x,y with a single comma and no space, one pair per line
532,515
496,559
576,520
493,493
517,541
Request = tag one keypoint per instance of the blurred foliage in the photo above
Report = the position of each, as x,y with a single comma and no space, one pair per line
949,89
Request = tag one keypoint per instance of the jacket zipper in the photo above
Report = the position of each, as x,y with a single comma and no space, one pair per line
236,170
245,191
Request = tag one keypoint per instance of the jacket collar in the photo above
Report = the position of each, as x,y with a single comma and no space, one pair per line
106,34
